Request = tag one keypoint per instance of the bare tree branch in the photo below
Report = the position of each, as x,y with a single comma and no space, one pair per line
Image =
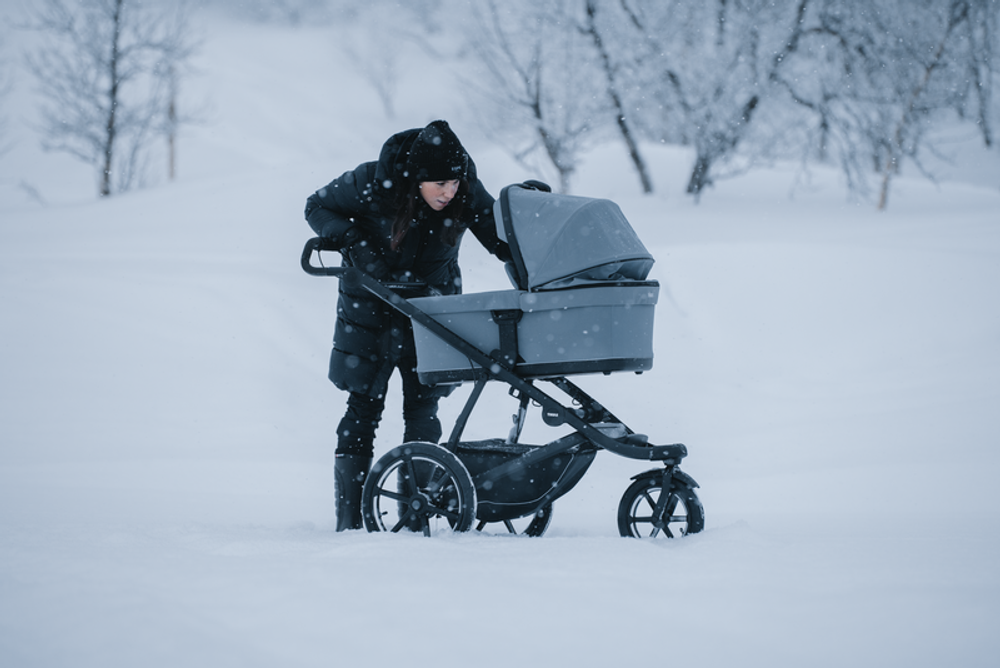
108,74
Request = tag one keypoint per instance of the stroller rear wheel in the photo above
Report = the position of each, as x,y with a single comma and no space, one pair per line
536,524
684,513
419,486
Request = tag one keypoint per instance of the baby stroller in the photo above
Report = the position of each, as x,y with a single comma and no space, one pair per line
581,304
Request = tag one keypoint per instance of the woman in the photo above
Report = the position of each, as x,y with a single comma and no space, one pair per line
400,217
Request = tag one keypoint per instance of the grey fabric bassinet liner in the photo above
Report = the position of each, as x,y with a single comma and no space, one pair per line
591,329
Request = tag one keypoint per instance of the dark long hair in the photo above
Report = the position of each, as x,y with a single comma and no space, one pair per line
408,203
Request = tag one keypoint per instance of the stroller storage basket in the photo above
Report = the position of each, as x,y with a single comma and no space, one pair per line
597,328
523,489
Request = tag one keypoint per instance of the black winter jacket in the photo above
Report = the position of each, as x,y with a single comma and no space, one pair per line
370,338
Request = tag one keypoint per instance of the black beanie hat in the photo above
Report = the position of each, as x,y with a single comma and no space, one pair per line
437,155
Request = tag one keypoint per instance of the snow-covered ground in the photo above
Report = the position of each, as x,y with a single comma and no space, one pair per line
166,428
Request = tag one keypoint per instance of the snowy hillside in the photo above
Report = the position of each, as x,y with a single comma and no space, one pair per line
167,430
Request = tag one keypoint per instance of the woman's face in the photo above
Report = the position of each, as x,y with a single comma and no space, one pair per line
438,194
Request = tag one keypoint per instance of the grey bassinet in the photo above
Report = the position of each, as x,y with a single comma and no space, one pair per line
581,302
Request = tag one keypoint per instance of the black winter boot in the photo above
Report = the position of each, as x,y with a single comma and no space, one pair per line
349,473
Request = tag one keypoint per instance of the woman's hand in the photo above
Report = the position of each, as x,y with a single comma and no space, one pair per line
365,256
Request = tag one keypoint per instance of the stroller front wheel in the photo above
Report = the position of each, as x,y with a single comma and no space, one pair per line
420,487
683,515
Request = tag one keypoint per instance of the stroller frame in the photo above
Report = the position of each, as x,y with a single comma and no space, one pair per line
444,481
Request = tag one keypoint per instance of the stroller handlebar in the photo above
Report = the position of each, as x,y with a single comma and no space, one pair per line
319,244
315,245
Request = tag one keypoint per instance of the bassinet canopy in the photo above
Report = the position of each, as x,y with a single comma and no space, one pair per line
563,240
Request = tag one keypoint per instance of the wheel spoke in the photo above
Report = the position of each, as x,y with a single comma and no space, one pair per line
395,496
668,514
410,475
403,519
436,479
650,496
671,506
441,512
444,494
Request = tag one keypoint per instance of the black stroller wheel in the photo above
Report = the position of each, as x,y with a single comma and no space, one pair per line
536,525
684,512
419,487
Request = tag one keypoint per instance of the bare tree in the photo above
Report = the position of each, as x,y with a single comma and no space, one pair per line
761,37
877,74
923,73
377,59
704,73
107,72
613,80
864,82
537,82
172,121
980,42
4,91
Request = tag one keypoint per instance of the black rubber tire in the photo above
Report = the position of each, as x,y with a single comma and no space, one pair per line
444,497
536,526
635,510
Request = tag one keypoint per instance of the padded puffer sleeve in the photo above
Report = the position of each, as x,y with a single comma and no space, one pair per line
331,211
